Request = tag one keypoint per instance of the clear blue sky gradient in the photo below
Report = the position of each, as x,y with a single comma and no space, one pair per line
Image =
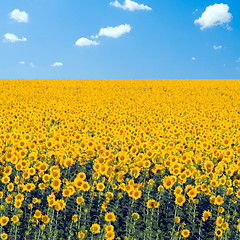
160,45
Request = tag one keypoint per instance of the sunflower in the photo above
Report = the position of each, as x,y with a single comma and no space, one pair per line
160,188
177,219
8,199
109,195
225,226
16,179
79,200
221,209
178,190
26,175
19,197
56,183
7,170
78,183
60,204
4,220
212,199
85,186
110,235
35,200
103,170
4,236
35,178
32,171
10,187
156,204
55,174
38,214
108,228
150,203
185,233
95,228
45,219
81,176
5,180
219,221
66,192
75,218
219,200
100,187
135,216
230,191
43,227
29,187
82,235
15,218
46,178
110,217
136,194
192,193
205,215
18,166
218,232
180,199
51,202
168,181
238,193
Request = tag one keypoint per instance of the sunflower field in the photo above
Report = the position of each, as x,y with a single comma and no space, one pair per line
120,159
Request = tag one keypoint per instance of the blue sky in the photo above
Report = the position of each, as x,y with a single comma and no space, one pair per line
140,39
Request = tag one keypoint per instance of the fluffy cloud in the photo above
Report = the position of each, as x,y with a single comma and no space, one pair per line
217,47
195,11
57,64
193,58
21,62
31,64
19,16
130,5
115,32
215,15
238,60
10,37
82,42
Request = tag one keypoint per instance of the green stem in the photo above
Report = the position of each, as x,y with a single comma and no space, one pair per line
15,236
51,221
79,217
199,231
175,214
194,212
70,231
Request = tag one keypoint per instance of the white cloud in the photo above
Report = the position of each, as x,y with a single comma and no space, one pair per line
217,47
31,64
21,62
82,42
130,5
214,15
94,36
193,58
115,32
10,37
229,28
19,16
195,11
238,60
57,64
